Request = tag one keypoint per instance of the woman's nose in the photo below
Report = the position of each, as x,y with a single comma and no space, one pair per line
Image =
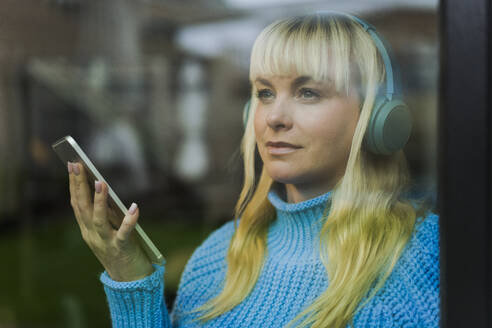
278,116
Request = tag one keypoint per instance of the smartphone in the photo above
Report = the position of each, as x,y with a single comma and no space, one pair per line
67,150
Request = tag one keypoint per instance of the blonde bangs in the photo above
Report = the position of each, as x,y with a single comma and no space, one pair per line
299,46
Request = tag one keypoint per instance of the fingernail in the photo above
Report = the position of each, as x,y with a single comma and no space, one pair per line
69,167
98,186
75,168
132,209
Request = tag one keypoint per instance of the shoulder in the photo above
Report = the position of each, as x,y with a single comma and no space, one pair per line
205,270
211,253
410,296
420,257
419,263
415,282
214,247
425,237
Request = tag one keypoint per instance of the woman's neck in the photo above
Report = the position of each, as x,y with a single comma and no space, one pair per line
295,194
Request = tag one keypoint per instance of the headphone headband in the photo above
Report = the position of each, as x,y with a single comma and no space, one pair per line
383,50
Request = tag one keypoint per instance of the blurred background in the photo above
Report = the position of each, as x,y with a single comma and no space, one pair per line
153,91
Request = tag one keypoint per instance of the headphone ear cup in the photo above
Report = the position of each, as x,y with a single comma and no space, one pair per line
246,113
389,127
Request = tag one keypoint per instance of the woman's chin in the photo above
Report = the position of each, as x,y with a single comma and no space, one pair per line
284,177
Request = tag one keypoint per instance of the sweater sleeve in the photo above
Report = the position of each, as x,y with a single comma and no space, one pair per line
138,303
141,303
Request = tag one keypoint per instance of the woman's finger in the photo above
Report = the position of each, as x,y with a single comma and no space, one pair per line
128,224
73,194
84,195
112,214
100,216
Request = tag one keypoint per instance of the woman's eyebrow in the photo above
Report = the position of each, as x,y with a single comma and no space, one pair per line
300,81
263,81
308,79
296,83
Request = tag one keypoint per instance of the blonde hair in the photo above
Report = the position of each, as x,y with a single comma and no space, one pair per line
369,222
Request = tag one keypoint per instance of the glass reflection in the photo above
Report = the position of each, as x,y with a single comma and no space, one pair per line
154,91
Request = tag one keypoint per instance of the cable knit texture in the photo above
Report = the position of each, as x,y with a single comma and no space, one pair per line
292,277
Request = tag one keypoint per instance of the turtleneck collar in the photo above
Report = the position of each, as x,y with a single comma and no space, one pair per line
294,235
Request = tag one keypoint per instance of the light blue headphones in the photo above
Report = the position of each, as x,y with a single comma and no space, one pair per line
390,123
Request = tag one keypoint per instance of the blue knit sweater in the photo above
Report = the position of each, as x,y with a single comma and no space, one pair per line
292,277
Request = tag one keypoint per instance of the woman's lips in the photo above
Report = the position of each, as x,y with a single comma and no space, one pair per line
280,148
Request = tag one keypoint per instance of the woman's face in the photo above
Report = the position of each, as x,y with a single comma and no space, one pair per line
304,131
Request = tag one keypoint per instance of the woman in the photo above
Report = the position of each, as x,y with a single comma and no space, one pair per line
325,237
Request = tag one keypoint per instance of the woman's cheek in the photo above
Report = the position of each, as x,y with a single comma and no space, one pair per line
259,121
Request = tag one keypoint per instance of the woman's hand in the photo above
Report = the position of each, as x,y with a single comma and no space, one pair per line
117,250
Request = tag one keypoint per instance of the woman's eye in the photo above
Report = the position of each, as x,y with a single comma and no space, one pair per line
264,93
308,93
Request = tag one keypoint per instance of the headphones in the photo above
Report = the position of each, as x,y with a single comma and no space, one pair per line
390,123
